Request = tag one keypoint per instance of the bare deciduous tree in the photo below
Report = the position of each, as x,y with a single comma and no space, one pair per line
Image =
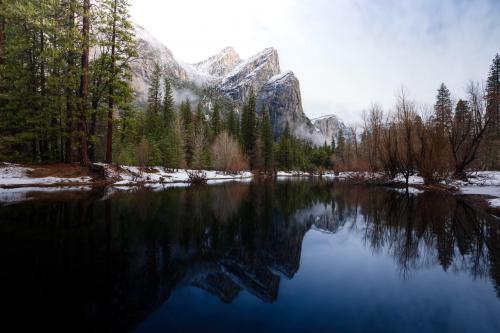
227,155
467,132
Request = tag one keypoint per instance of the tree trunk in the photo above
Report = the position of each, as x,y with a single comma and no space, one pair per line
111,102
84,86
2,35
69,146
44,145
93,126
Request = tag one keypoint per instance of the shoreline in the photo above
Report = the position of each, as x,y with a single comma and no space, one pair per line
484,186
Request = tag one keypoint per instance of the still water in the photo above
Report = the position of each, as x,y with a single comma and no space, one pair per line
296,256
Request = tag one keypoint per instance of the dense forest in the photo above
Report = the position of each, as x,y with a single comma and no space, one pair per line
65,96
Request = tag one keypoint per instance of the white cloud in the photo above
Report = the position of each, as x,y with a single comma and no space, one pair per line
346,53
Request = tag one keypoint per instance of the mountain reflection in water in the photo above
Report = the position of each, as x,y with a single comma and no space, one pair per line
91,262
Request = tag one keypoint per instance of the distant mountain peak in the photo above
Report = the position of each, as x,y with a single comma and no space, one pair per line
234,79
220,64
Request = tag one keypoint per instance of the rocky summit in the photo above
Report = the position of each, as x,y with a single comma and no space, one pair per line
234,79
329,126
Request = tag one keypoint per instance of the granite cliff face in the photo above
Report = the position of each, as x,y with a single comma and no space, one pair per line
234,79
329,126
281,97
221,64
251,75
150,51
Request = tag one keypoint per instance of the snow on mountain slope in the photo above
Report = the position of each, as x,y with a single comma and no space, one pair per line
220,64
329,126
234,78
251,75
150,51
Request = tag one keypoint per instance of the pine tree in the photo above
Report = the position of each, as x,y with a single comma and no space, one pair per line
2,33
493,96
285,153
186,114
168,102
153,122
188,130
462,112
84,85
118,29
175,153
443,108
215,122
154,94
200,123
267,141
340,150
232,124
248,124
71,71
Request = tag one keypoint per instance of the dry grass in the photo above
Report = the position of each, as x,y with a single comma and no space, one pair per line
60,170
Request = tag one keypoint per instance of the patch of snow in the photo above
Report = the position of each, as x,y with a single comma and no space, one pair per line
284,174
490,191
328,116
410,190
199,77
495,203
16,175
257,57
412,180
278,78
493,191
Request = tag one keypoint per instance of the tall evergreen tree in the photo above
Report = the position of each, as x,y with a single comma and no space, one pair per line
153,122
285,149
493,96
248,124
168,102
443,108
340,149
267,140
232,123
200,123
117,28
154,93
462,112
2,33
215,121
186,113
84,85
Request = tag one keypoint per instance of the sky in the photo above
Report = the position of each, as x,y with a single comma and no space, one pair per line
347,54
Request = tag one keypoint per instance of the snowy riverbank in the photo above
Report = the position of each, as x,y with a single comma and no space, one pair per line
18,180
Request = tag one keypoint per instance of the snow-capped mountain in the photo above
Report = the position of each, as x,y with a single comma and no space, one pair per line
150,51
251,75
329,126
234,78
221,64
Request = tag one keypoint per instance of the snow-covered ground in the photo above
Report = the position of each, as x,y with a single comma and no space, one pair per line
286,174
16,175
16,183
131,175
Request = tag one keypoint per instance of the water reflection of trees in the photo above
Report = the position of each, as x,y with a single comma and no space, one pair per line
134,249
421,231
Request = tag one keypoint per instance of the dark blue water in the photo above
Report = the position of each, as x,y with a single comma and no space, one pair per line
279,257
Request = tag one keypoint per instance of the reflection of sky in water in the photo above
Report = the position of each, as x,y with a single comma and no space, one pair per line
342,286
281,257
